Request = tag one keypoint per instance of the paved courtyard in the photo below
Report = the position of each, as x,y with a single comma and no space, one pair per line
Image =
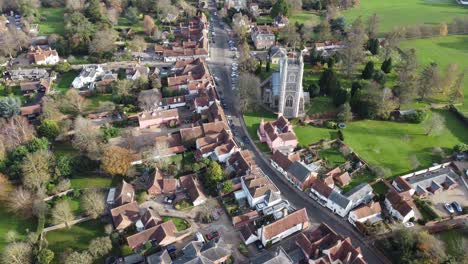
459,194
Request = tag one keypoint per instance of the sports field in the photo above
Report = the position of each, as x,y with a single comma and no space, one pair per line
396,13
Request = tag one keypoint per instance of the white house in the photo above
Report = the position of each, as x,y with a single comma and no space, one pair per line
339,204
135,72
260,190
87,76
399,206
361,194
284,227
371,213
224,151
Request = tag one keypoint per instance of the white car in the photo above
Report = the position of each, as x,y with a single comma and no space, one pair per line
409,224
449,208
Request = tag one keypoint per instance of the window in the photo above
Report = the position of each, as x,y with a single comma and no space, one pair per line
289,101
291,77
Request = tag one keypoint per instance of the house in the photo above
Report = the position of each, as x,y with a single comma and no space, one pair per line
284,227
192,186
278,134
339,204
31,112
42,86
328,46
88,76
199,252
240,163
302,175
280,256
280,21
169,145
260,190
173,102
162,257
361,194
339,177
161,185
189,135
281,161
28,74
399,206
219,146
125,215
158,117
135,72
125,194
244,219
323,245
107,79
367,213
402,186
162,234
39,56
262,37
248,234
432,182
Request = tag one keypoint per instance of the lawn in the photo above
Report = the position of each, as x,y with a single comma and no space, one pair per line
93,181
76,238
252,122
443,51
123,23
65,81
365,176
391,144
320,105
333,156
309,134
9,221
398,13
305,17
52,21
181,224
96,99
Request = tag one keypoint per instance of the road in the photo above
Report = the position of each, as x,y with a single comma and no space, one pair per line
219,64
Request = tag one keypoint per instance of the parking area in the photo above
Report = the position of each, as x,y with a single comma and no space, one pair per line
459,194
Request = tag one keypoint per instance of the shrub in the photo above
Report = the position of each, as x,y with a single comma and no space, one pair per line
183,204
49,129
461,147
427,211
330,124
340,135
416,117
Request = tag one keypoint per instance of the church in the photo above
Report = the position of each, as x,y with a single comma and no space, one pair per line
286,94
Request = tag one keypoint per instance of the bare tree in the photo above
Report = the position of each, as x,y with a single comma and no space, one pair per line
87,137
414,162
74,101
148,100
62,213
93,203
6,188
373,24
148,24
36,169
103,41
295,5
407,76
291,36
249,92
100,246
168,11
137,44
429,81
75,5
434,125
240,26
353,54
50,109
79,258
17,253
113,15
15,132
20,202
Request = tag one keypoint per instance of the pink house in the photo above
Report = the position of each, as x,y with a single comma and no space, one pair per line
159,117
279,135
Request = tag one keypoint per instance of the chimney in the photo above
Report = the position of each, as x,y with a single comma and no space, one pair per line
316,253
285,212
348,257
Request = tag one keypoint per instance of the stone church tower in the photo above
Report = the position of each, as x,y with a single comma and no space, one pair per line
291,94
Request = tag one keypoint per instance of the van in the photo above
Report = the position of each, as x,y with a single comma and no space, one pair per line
199,237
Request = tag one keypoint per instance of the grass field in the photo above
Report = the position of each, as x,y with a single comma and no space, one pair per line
333,156
9,221
308,134
320,105
181,224
76,238
65,81
52,21
305,17
93,181
443,51
391,144
398,13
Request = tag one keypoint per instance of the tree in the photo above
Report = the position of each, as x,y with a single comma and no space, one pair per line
132,15
443,29
49,129
374,46
340,97
368,71
290,35
280,8
62,214
36,168
17,253
74,102
379,77
137,44
167,11
456,91
387,65
148,100
240,25
20,202
429,81
373,24
295,5
148,25
6,188
93,203
45,256
87,137
314,90
116,160
79,258
227,186
9,106
214,174
93,11
103,42
248,92
345,113
434,125
353,54
407,77
50,109
78,31
329,82
100,246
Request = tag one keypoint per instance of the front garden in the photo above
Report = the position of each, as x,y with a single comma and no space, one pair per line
181,224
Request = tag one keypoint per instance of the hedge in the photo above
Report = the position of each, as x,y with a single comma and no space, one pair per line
426,210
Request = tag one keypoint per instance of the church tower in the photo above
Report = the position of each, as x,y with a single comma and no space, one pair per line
291,97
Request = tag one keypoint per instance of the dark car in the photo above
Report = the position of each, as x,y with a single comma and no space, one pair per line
171,249
259,246
212,236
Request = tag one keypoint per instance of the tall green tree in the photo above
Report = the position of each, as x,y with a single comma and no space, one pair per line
93,11
9,106
329,82
368,71
387,65
429,81
280,8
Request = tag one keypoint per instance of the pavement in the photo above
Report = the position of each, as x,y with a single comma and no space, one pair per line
220,66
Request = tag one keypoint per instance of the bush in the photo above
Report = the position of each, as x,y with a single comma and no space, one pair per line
183,204
461,147
416,117
49,129
331,124
243,249
340,135
427,212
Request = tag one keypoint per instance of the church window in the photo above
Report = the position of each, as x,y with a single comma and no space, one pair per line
291,78
289,101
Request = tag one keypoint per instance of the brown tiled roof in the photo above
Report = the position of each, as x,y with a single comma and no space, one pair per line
150,219
284,160
29,110
156,181
399,203
174,143
285,223
245,218
170,113
241,162
247,231
37,54
321,187
161,233
126,193
329,181
125,215
258,184
214,127
29,86
368,210
169,185
192,133
335,172
343,179
403,184
192,186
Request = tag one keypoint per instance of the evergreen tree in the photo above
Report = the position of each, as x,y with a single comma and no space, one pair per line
355,86
314,90
93,11
387,65
374,46
280,8
329,82
368,71
340,97
379,77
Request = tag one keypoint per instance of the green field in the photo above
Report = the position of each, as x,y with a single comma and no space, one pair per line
333,156
398,13
443,51
65,81
305,17
93,181
181,224
320,104
75,238
391,144
52,21
308,134
9,221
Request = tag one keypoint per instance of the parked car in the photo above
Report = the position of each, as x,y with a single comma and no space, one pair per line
169,199
259,245
171,248
449,208
409,224
457,206
199,237
212,236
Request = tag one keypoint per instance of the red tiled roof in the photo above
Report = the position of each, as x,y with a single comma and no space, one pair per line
286,223
399,203
125,215
321,187
368,210
162,234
